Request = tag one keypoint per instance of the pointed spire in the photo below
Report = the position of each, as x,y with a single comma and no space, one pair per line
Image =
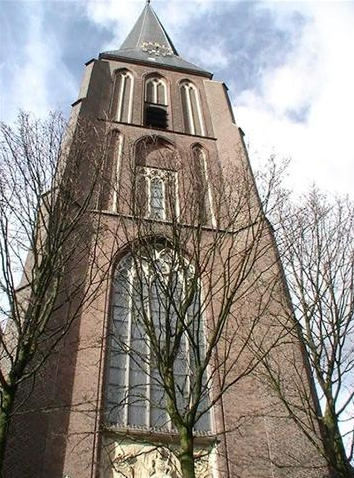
149,42
148,33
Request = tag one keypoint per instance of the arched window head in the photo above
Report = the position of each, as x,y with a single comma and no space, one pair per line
156,103
156,91
151,290
192,112
122,98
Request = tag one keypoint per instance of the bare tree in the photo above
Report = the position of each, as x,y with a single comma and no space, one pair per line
49,238
195,296
316,242
192,300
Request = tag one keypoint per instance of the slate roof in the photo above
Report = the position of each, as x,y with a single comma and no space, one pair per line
148,42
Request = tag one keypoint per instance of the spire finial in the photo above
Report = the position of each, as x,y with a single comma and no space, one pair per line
147,2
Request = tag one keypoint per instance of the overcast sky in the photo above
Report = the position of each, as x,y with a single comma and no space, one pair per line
289,67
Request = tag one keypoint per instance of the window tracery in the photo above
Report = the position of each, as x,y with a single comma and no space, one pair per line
156,91
156,192
143,301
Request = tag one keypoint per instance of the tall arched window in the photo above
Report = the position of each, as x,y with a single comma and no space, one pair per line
117,146
192,112
150,326
122,98
203,186
156,103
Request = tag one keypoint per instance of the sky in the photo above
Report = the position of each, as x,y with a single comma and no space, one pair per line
289,67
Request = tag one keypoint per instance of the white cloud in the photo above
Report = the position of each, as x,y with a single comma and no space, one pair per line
214,56
316,78
302,107
120,17
38,80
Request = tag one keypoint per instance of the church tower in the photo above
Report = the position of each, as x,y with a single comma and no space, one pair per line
181,224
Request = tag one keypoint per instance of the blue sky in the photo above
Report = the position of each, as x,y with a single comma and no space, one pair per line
288,65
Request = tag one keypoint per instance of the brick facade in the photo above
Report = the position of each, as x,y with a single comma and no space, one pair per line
60,434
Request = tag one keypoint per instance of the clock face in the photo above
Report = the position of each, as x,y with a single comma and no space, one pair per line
155,48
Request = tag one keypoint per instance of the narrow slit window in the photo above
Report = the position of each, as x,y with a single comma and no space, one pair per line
157,199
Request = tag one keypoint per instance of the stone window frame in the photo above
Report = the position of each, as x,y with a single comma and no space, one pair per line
201,154
156,81
121,97
118,145
191,109
158,102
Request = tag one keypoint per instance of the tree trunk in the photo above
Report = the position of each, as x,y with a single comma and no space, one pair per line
341,468
5,413
186,455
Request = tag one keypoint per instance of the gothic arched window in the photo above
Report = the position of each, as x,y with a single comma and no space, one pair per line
156,193
203,188
149,291
117,147
156,103
122,98
192,112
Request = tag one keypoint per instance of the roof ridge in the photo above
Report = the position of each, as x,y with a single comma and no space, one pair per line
145,10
